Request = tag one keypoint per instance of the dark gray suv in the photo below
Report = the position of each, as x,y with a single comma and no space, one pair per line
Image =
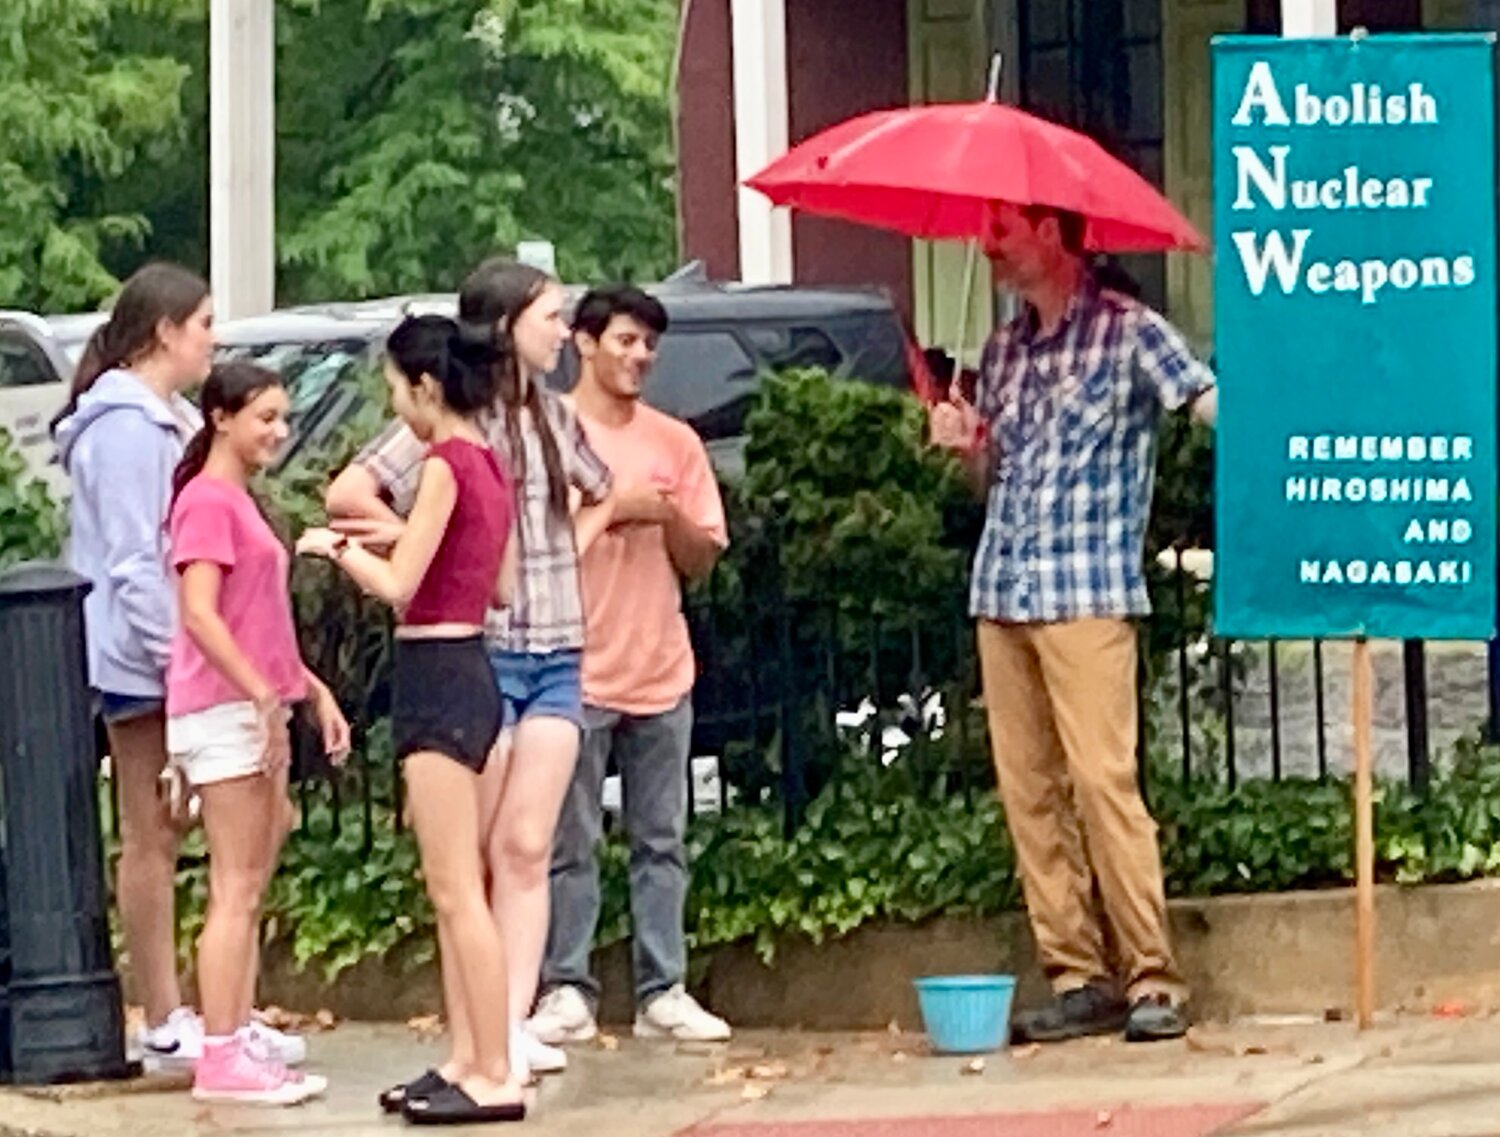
722,338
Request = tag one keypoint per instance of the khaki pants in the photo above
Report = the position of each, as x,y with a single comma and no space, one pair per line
1061,702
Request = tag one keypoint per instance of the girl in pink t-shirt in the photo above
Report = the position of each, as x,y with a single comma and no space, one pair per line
235,670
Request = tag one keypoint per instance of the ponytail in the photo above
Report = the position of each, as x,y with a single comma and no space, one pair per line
462,365
194,458
97,358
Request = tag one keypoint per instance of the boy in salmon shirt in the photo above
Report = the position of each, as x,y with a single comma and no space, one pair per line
667,523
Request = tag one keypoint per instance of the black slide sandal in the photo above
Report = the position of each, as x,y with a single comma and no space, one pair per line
423,1085
451,1106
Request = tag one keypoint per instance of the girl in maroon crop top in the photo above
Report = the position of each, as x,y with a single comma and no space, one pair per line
454,558
460,583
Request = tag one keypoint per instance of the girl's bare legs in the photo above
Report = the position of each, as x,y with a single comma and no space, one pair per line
460,1033
536,778
242,820
442,797
285,822
147,868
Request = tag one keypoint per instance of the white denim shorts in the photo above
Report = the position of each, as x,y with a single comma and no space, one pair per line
218,744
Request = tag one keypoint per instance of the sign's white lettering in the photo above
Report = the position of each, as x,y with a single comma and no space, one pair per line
1440,491
1359,104
1380,448
1358,571
1262,256
1352,188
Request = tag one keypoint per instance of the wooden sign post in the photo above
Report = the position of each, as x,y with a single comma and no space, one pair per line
1302,19
1363,675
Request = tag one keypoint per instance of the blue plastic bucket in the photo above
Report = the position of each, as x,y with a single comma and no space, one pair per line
966,1014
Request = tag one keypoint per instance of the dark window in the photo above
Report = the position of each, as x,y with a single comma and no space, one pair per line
1263,17
1095,65
309,370
874,346
22,362
782,348
699,371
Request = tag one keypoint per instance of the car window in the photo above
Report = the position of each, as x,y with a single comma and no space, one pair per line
697,372
875,347
307,369
783,347
22,362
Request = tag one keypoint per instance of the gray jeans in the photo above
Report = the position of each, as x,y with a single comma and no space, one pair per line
652,754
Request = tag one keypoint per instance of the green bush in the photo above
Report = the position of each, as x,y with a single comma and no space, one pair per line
870,519
878,846
31,523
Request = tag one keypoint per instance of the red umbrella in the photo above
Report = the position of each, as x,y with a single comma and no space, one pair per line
931,171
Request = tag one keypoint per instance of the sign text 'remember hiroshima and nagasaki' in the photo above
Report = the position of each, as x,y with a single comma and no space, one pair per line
1287,181
1414,470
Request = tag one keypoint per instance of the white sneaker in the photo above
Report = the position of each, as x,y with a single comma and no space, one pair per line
176,1044
520,1067
563,1016
542,1059
675,1014
288,1049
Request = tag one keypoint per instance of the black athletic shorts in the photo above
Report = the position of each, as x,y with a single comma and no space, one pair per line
445,700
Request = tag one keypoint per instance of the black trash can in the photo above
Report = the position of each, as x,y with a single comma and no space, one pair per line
61,1017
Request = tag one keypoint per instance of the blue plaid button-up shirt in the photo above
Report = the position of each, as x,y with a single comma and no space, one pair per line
1072,421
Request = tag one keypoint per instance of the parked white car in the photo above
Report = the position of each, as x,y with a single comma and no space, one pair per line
311,351
37,355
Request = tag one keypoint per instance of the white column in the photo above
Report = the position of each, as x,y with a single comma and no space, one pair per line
760,135
1304,19
242,156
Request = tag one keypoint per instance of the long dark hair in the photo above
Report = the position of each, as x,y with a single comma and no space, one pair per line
230,388
492,299
157,292
432,345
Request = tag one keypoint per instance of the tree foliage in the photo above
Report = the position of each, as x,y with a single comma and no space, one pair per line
472,125
31,523
76,116
414,137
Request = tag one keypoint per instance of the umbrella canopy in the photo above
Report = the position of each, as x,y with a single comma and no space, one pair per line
932,172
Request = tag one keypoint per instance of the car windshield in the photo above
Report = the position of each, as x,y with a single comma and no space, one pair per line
307,369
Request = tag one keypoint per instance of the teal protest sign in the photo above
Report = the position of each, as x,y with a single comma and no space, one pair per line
1355,331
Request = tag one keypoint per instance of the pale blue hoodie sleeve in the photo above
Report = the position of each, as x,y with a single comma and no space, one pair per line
134,489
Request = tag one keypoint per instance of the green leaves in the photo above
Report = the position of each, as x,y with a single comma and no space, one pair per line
874,850
77,115
459,127
31,523
414,137
843,469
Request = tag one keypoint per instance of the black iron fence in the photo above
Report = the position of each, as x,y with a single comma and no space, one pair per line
798,683
792,688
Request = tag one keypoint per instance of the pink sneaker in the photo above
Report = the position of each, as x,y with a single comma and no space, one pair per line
234,1072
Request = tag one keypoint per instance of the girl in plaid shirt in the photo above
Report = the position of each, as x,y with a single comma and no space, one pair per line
535,645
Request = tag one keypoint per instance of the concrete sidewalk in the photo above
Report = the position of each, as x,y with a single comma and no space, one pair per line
1410,1077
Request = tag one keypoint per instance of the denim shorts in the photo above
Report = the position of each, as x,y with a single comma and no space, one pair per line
547,684
115,708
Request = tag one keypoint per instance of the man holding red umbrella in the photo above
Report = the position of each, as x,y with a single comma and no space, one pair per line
1062,441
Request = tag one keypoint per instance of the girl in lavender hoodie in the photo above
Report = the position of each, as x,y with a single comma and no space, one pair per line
120,438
